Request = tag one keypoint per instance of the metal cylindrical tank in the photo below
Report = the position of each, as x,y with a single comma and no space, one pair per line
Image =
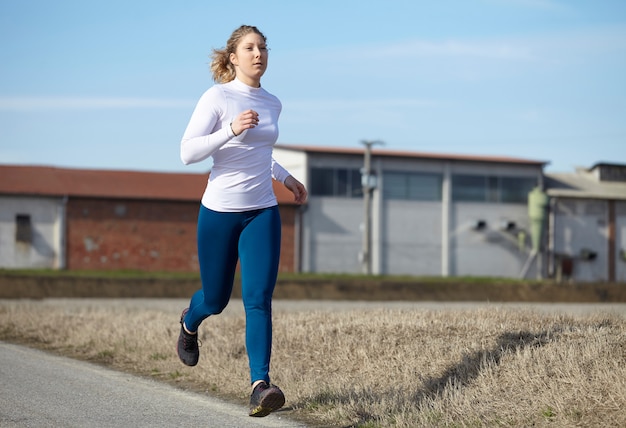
537,211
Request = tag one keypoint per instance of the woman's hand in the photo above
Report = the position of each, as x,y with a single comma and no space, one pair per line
297,188
245,120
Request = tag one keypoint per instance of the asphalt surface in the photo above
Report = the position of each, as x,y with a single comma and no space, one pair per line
38,389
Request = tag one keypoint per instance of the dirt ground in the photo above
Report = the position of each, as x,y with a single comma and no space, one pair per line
235,306
15,286
557,364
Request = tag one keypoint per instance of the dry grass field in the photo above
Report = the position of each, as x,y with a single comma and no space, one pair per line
370,366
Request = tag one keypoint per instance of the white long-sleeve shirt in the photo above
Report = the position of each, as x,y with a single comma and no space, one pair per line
243,166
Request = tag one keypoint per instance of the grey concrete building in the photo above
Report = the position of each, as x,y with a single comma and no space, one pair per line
430,215
587,238
417,214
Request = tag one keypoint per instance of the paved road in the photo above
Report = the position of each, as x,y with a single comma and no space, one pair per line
38,389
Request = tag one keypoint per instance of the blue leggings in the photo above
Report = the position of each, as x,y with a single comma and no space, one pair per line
253,237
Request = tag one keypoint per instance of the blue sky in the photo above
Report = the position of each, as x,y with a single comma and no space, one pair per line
111,84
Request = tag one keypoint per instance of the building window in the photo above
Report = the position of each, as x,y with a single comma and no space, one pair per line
469,188
412,186
482,188
516,190
23,229
337,182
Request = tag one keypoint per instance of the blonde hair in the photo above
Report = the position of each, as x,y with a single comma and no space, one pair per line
222,69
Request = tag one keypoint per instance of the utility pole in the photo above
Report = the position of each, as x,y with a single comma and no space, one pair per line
368,181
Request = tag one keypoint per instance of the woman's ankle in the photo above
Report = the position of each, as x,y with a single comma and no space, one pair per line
257,383
187,330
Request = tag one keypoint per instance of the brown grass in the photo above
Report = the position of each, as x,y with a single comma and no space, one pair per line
400,366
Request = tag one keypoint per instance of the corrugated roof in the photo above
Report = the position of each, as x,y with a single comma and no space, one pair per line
53,181
583,185
376,151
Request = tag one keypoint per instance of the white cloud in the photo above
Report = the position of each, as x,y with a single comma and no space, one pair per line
531,48
28,103
300,117
532,4
343,104
505,49
501,50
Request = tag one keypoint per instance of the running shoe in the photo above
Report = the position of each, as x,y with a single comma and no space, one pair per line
188,350
265,399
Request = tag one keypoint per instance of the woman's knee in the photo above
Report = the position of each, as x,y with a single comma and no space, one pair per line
215,307
257,300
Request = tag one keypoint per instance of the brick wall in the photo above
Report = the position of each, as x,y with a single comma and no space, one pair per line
288,215
109,234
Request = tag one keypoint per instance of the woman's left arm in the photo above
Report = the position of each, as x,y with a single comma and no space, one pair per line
281,174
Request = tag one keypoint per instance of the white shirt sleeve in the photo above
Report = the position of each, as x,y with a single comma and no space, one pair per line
278,172
201,139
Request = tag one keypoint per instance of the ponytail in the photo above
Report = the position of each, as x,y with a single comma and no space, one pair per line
222,69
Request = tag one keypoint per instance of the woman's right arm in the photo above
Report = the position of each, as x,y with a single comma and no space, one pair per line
199,142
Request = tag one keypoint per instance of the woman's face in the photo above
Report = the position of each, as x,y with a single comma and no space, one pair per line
250,59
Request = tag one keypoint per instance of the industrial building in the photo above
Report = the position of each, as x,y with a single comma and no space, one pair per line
370,210
454,215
